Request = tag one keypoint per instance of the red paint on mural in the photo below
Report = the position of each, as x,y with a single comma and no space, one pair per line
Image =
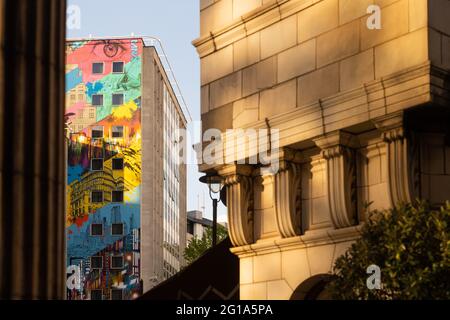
101,51
82,220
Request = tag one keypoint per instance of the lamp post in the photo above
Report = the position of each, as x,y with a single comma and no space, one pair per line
215,185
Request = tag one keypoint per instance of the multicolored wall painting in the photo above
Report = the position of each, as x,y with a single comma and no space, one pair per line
103,113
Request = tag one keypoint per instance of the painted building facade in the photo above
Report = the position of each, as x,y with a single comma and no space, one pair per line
104,89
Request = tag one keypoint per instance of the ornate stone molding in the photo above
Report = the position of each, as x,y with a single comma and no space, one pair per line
400,158
304,123
287,194
309,240
337,150
253,21
239,188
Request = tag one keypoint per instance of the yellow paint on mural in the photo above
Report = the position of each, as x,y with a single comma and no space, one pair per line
125,111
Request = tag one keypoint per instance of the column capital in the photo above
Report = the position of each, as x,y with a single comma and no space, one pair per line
239,188
390,122
335,139
228,171
287,156
338,151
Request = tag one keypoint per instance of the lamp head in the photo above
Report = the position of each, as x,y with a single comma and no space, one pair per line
214,182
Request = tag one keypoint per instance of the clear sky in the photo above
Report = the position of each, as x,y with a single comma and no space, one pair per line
176,23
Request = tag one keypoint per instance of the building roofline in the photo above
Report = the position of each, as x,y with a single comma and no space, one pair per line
156,43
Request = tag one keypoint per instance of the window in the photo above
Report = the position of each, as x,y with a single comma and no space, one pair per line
97,68
117,99
97,196
117,229
97,132
96,229
116,294
97,99
117,262
117,132
118,67
92,114
97,164
117,164
190,227
96,262
96,295
117,196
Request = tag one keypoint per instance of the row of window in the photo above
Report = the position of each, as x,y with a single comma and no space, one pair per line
117,229
97,164
116,132
99,67
98,197
117,262
117,99
116,294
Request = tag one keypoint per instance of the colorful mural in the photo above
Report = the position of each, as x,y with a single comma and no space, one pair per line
103,108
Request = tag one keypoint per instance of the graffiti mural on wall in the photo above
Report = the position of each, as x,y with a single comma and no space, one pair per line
103,107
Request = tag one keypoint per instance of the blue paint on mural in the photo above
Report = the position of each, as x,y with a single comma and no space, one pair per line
73,78
80,242
75,173
93,88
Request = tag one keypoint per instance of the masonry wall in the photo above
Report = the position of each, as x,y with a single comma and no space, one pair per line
154,214
339,93
283,55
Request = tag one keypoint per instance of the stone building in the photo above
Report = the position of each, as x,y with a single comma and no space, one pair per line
32,149
362,116
196,225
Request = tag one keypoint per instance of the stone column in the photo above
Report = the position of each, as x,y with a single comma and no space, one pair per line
338,151
32,152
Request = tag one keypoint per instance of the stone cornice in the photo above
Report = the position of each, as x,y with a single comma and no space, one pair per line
309,240
251,22
377,98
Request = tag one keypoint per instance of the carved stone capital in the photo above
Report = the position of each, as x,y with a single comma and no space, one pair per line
338,151
287,194
239,188
401,158
389,122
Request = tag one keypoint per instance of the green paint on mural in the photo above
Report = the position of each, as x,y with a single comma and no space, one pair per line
128,83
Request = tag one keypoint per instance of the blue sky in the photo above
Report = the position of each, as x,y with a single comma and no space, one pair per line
176,23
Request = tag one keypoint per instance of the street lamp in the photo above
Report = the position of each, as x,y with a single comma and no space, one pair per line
215,186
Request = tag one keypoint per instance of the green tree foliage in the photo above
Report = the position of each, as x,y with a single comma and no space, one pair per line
197,247
411,246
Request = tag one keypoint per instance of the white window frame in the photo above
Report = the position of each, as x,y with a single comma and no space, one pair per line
101,295
123,229
121,290
97,235
116,94
103,263
103,196
123,262
103,165
103,131
123,164
103,100
112,67
103,68
123,196
123,132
